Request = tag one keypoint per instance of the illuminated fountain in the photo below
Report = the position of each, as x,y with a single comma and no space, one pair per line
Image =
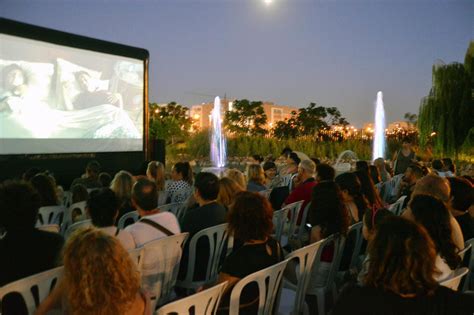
217,141
378,150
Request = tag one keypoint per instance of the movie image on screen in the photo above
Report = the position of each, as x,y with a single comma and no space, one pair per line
59,99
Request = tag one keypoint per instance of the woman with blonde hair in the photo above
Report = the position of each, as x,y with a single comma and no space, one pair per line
156,172
256,178
122,187
237,176
228,189
99,278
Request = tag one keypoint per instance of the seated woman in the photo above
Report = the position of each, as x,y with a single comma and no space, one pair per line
102,208
237,176
181,180
250,222
354,200
327,215
100,277
255,178
462,198
433,215
272,179
156,172
228,189
122,185
400,277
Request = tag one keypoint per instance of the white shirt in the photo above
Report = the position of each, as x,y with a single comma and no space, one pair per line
123,236
143,232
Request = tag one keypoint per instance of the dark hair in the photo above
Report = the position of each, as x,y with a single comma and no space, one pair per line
325,172
448,163
402,258
437,165
79,193
462,193
362,166
45,185
105,179
258,157
28,175
374,174
103,207
328,210
295,158
286,151
250,217
184,168
316,161
93,167
269,165
19,204
416,170
207,184
434,216
351,183
368,189
145,194
373,217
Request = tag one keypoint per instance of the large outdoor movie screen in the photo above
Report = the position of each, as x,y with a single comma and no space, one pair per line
59,99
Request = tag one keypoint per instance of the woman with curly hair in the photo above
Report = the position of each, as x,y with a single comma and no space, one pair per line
250,222
228,189
433,215
99,278
400,277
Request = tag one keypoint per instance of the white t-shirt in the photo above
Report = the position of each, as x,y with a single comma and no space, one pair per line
143,232
124,237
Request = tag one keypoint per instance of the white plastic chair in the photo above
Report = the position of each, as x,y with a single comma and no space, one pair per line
455,278
160,266
279,220
44,282
54,228
77,226
132,215
357,230
177,208
304,219
294,211
216,236
467,256
397,207
137,255
204,303
67,198
68,214
305,259
50,215
268,280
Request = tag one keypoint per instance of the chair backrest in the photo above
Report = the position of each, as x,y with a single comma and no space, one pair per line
205,302
339,242
162,196
177,208
54,228
304,219
279,219
76,226
455,278
68,214
397,207
394,183
467,256
137,255
160,266
268,280
51,215
286,180
181,195
129,216
67,198
34,289
294,211
305,257
216,236
265,193
356,230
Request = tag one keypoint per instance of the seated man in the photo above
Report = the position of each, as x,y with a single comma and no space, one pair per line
91,178
208,214
411,176
24,249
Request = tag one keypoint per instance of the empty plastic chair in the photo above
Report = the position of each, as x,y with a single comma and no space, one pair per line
217,237
131,217
279,220
269,281
160,266
51,215
203,303
54,228
77,226
177,208
455,278
44,283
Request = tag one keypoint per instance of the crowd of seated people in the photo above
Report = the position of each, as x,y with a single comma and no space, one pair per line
407,255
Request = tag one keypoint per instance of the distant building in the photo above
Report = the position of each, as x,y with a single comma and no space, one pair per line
201,114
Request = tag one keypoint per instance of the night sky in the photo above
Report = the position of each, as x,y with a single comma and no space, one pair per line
292,52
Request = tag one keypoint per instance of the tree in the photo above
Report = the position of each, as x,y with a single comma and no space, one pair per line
246,118
169,122
411,119
287,128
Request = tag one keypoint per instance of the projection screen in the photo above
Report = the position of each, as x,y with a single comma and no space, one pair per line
55,98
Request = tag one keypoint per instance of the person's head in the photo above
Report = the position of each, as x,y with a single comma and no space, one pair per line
100,276
237,176
325,172
122,186
46,187
156,172
438,165
371,221
145,195
406,144
19,204
93,169
270,169
13,76
293,159
351,190
402,258
433,185
102,207
380,163
250,217
368,189
105,179
206,187
83,79
286,151
327,209
462,193
362,166
79,193
448,163
435,218
375,174
182,171
257,158
255,174
412,174
228,189
28,175
306,169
